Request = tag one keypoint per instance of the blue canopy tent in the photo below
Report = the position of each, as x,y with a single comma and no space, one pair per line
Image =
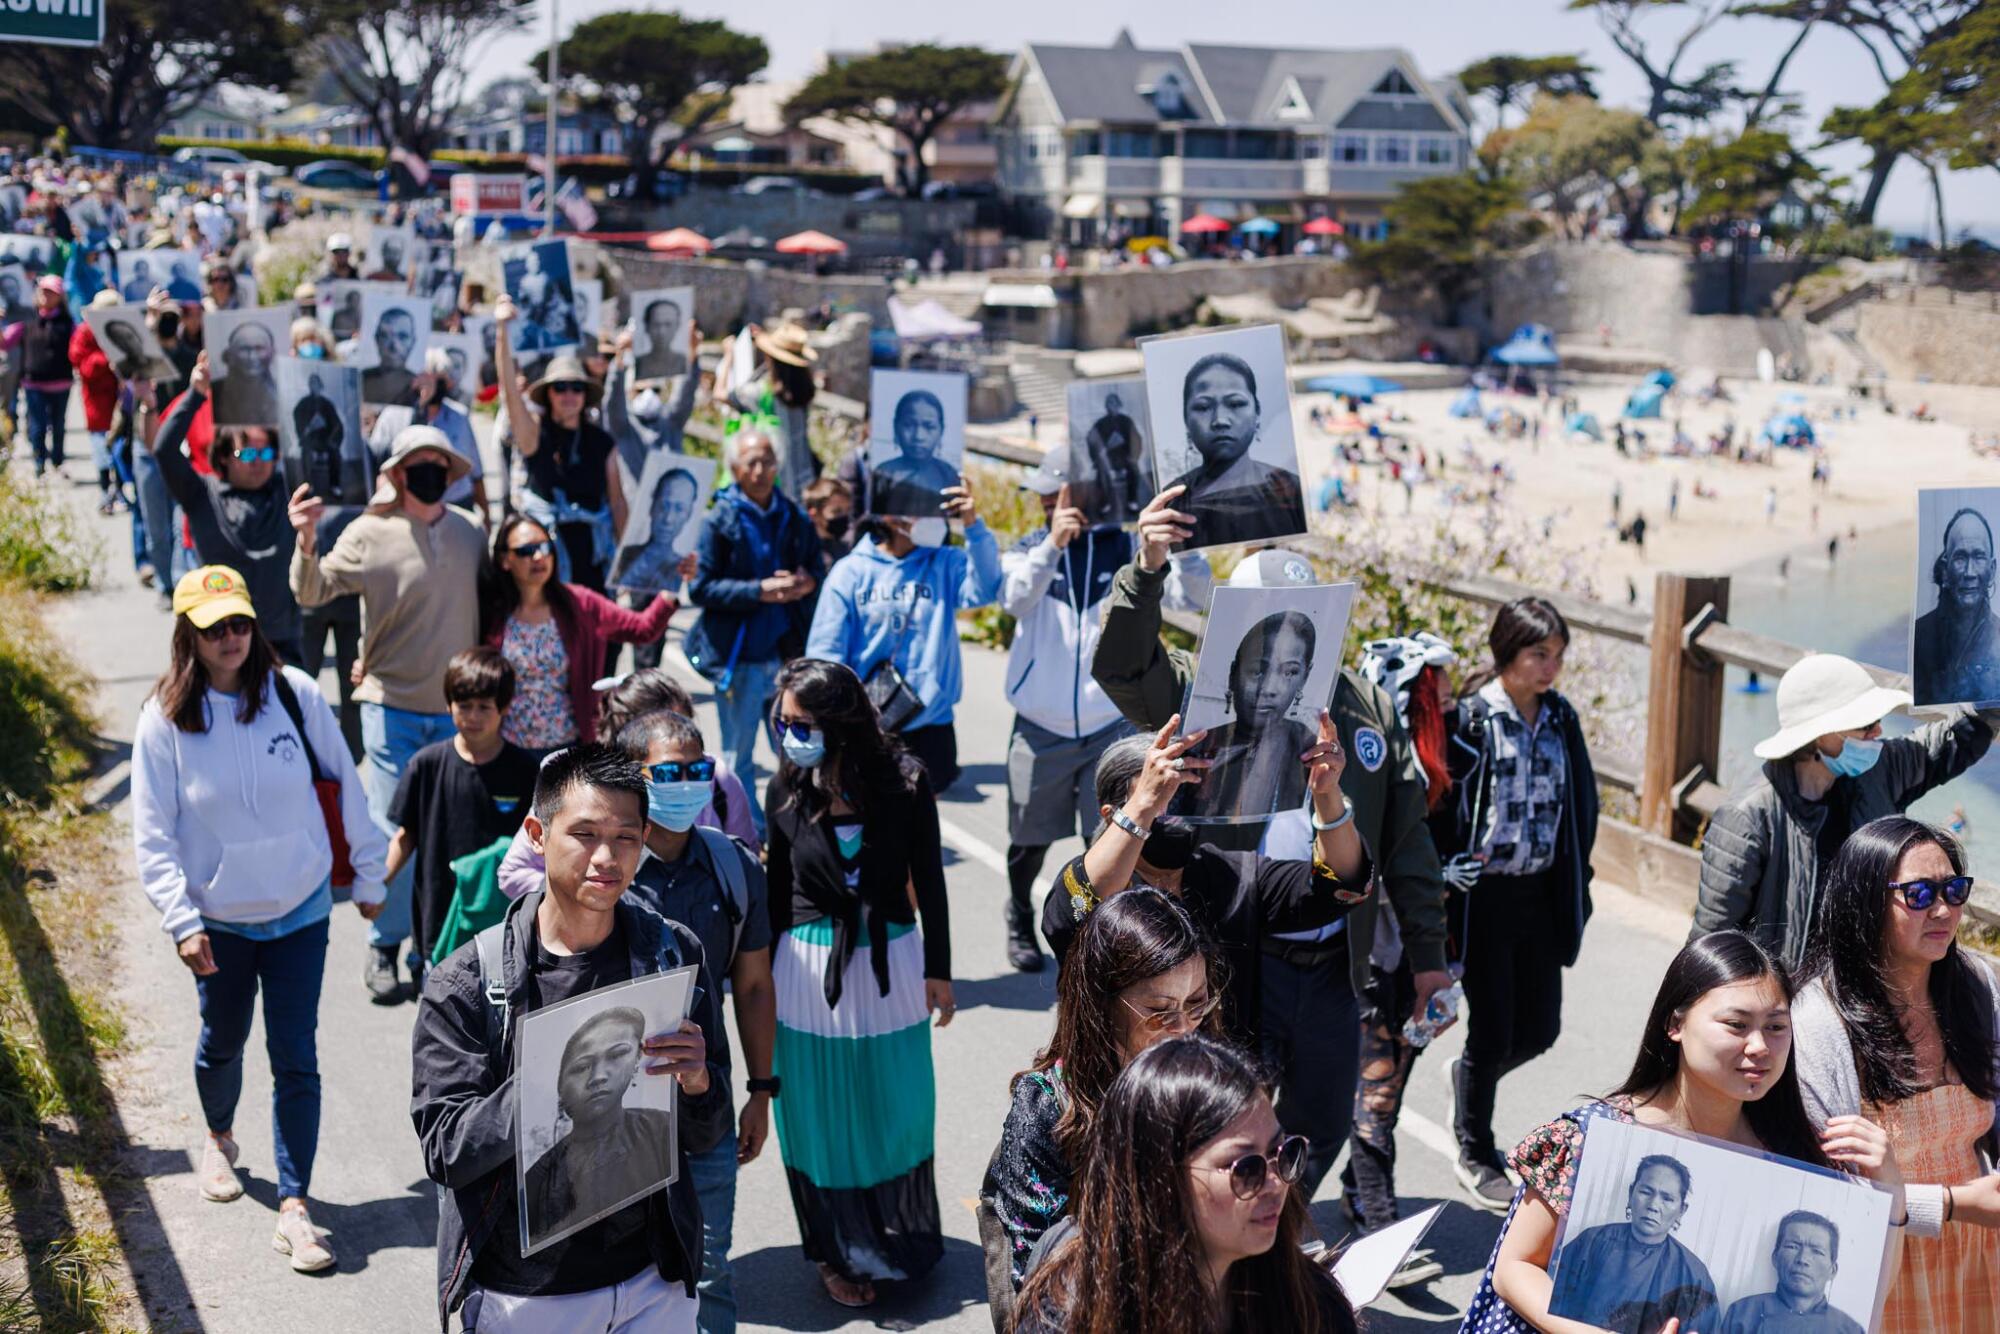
1518,353
1584,423
1467,403
1645,401
1352,386
1663,378
1786,429
1261,227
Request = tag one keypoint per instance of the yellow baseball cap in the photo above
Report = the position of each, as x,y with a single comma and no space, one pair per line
210,594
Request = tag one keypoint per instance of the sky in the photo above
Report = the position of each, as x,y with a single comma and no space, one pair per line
1443,35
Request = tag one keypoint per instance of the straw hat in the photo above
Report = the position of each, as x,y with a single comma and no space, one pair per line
105,297
411,439
787,343
1826,693
563,369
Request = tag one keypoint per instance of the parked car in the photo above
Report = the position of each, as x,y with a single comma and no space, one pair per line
873,193
210,159
667,185
960,190
773,185
335,174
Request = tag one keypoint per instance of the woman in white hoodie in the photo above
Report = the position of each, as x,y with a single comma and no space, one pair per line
233,850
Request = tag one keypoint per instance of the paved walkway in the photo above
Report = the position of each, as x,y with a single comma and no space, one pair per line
369,1188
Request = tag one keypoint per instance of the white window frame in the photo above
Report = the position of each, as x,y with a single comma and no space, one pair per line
1345,141
1385,147
1445,146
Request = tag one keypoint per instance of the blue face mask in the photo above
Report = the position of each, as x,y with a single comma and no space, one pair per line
1857,756
313,352
674,806
808,753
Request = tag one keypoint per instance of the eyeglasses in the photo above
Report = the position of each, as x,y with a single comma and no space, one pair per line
256,454
794,729
569,387
530,550
1921,894
1188,1013
224,276
677,771
1248,1174
228,627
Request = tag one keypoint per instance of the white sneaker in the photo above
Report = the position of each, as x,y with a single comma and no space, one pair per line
297,1237
218,1170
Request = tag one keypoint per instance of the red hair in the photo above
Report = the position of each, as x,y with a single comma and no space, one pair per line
1426,720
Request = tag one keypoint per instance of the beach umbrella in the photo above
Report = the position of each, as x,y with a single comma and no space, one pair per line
810,243
1325,227
1352,386
1520,353
1204,222
679,241
1260,227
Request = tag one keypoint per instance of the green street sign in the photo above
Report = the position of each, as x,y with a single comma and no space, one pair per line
53,22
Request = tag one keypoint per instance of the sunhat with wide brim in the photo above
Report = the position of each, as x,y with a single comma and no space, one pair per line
105,297
1826,693
787,343
408,441
565,369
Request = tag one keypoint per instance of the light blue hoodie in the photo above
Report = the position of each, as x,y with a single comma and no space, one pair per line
874,606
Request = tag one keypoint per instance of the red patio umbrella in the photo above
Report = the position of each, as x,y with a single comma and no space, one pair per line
680,240
810,243
1325,227
1204,222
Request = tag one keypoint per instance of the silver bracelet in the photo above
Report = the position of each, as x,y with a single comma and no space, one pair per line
1129,825
1341,821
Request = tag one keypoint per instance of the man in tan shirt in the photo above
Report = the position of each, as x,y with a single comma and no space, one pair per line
415,563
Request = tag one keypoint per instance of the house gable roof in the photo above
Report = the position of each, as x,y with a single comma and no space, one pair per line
1095,83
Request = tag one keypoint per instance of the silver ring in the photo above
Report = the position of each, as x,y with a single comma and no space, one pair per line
1180,764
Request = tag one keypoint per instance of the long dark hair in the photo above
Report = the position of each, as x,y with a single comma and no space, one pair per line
182,690
1139,934
500,596
1135,1264
1720,959
869,759
792,385
1844,953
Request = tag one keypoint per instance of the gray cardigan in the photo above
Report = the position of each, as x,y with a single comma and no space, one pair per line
1831,1085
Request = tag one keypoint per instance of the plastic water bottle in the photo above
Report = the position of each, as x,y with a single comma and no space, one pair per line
1440,1012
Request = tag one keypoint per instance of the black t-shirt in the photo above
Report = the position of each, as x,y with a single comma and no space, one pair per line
610,1250
452,807
571,460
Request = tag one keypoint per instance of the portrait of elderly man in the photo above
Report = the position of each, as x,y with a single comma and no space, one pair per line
1955,648
664,357
248,394
127,352
1805,1258
611,1152
390,380
1633,1277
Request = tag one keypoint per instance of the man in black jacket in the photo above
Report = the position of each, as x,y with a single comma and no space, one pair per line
635,1269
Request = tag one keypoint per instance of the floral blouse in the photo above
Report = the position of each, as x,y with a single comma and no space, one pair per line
1028,1182
1546,1158
540,718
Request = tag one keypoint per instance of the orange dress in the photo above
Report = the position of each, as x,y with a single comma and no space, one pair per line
1952,1282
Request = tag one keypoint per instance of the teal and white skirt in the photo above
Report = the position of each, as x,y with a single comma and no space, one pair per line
857,1117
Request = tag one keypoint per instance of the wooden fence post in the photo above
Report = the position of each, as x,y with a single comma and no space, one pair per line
1683,701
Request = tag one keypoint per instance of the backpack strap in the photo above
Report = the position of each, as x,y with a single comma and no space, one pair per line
486,945
726,854
290,700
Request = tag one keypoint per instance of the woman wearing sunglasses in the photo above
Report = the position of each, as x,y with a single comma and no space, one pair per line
234,852
556,635
236,510
1187,1220
1899,1023
1140,971
854,861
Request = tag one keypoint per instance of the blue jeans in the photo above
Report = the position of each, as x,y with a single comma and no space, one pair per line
48,414
714,1177
156,509
122,471
390,737
743,710
288,969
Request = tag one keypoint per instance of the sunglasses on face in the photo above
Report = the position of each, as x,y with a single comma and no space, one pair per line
1188,1014
1248,1174
530,550
568,387
229,278
256,454
678,771
227,628
794,729
1921,894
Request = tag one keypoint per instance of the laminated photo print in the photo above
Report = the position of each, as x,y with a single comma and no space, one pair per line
139,272
594,1132
339,304
589,310
1220,405
663,522
1268,661
1665,1225
482,328
129,344
462,380
243,348
17,287
917,440
659,323
395,330
389,256
537,277
37,253
1954,634
321,443
1110,449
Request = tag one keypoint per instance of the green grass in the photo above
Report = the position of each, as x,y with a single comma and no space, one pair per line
40,544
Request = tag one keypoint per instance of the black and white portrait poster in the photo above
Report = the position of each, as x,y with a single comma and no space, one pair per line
33,253
1110,449
589,309
463,351
1729,1241
660,319
1220,405
916,440
594,1131
395,330
663,523
320,440
243,347
1268,661
442,287
389,256
482,328
132,348
339,304
537,277
1954,635
16,293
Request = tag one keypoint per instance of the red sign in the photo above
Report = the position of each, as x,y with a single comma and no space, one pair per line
488,194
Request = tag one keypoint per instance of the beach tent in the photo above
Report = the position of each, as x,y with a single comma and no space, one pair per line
1531,345
1787,429
928,320
1584,423
1352,386
1662,378
1645,401
1467,402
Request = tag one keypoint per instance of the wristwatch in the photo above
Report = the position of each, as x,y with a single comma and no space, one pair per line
1128,824
769,1086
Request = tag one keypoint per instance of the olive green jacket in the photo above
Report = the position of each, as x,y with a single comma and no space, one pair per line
1148,681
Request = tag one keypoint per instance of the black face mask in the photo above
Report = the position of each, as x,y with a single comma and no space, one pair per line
426,481
1170,844
836,527
169,327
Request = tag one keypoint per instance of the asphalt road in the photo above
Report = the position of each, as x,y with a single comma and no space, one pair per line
210,1267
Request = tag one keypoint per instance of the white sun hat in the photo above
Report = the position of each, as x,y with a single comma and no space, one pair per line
1826,693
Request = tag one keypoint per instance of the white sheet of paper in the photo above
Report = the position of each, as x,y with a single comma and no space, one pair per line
1366,1266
